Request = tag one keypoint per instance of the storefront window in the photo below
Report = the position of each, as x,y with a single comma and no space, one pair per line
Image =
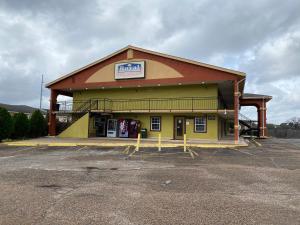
200,124
155,123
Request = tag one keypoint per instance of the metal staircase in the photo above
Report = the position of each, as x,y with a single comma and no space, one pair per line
81,110
71,119
250,127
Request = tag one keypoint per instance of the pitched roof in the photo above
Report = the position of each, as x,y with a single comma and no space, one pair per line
255,96
150,52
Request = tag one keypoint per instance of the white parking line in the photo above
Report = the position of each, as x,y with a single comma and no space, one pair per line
6,157
274,163
21,150
84,147
247,153
25,149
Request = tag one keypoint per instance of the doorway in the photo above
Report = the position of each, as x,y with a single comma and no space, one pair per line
100,124
179,127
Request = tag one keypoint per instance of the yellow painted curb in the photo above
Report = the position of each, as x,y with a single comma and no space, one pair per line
106,144
121,144
257,143
21,144
61,145
154,145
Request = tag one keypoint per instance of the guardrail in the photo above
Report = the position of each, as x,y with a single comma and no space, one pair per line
250,122
147,104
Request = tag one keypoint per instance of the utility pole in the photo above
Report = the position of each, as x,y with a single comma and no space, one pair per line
41,96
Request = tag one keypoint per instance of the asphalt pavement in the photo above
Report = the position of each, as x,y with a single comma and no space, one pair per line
96,185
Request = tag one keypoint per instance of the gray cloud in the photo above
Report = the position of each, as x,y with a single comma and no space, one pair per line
261,38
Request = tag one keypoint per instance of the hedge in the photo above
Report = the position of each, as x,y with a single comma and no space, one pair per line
6,124
38,125
21,126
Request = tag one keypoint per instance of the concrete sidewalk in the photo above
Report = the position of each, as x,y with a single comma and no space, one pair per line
149,142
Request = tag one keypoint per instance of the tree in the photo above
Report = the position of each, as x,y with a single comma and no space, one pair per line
37,124
6,124
271,126
46,125
294,122
21,126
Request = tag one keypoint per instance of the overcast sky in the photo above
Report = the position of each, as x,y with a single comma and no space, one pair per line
261,38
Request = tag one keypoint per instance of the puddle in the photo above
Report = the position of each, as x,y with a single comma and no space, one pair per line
49,186
114,168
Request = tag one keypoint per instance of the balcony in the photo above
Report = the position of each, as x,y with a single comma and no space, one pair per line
185,104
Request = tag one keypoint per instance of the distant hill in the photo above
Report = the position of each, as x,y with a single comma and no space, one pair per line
21,108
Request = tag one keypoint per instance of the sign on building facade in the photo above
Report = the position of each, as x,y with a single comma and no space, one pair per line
130,70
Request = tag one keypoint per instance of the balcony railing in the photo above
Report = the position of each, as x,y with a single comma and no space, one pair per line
140,105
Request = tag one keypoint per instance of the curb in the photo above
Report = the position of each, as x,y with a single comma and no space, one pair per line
21,144
151,145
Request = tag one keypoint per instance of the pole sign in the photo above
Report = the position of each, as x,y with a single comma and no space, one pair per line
129,70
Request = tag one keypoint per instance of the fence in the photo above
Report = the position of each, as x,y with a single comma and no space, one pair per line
150,104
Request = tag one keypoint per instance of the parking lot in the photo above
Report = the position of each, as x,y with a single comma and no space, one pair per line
94,185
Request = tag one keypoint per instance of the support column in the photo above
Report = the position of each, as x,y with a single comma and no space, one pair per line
236,112
259,121
52,117
263,120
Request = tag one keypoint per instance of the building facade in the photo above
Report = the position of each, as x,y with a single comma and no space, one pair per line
134,90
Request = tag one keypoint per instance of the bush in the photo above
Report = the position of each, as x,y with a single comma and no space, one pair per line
38,126
6,124
21,126
46,127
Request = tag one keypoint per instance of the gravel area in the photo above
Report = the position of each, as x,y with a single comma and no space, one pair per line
93,185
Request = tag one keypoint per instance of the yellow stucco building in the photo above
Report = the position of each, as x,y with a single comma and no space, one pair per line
136,90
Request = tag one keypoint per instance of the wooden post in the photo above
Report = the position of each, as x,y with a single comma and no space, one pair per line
159,142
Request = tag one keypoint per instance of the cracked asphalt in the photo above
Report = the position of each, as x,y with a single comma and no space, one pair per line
93,185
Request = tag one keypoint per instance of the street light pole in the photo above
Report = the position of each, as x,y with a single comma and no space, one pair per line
41,94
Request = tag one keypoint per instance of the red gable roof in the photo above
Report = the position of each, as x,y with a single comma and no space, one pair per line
190,71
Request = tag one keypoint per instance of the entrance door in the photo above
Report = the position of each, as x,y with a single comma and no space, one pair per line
179,127
100,123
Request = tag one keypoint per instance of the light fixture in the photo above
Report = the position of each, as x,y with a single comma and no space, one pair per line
179,83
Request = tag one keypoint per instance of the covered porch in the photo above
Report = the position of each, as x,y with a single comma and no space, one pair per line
260,102
220,103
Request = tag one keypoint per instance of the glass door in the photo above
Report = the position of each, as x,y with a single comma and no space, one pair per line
179,127
100,123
